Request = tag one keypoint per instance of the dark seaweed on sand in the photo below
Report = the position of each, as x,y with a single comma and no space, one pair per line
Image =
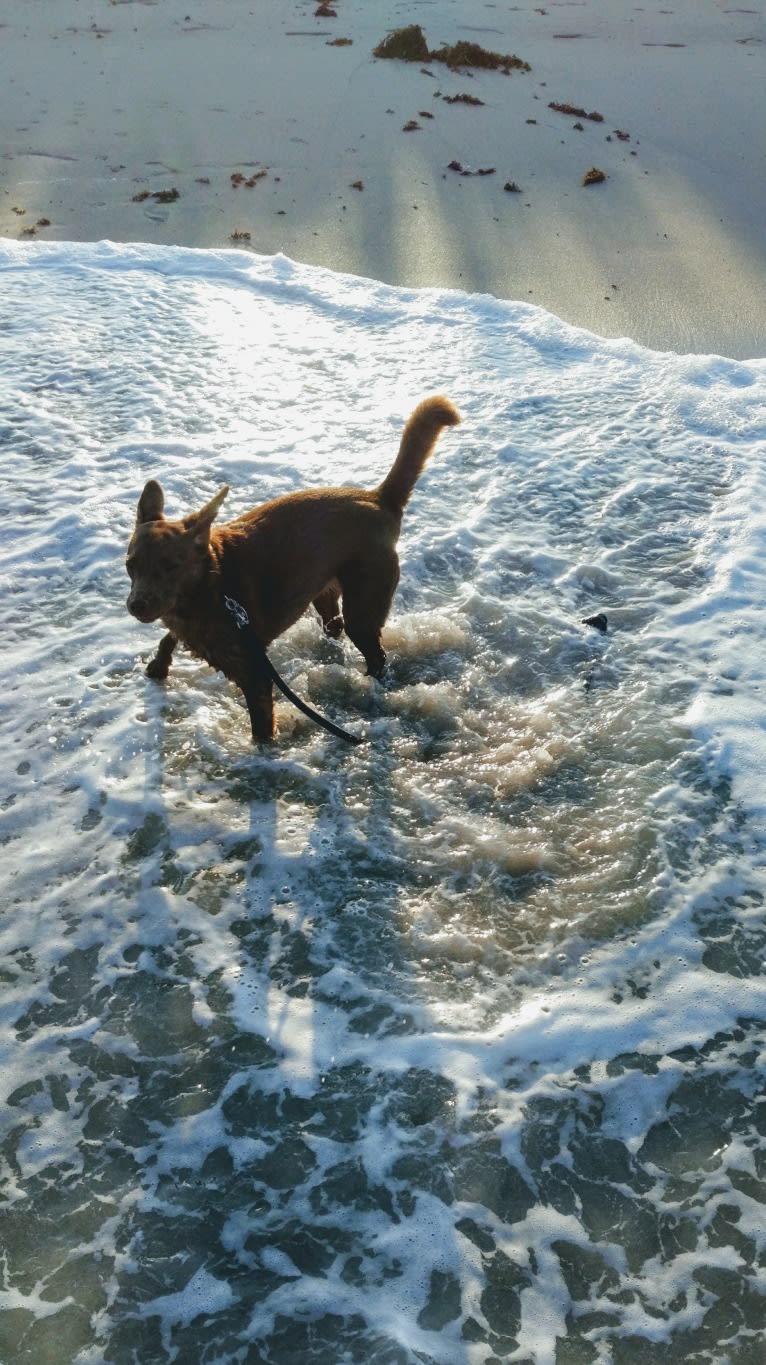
404,45
162,196
461,99
409,45
576,112
471,54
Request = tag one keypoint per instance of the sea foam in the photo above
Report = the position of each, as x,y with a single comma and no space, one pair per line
449,1048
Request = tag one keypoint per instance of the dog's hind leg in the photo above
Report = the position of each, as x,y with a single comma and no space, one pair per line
368,591
327,603
158,667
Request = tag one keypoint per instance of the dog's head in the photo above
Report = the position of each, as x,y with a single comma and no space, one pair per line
166,559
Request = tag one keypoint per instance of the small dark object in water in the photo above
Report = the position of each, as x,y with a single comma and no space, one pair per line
594,176
511,187
599,621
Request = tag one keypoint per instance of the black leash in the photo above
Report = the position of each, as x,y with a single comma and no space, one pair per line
242,621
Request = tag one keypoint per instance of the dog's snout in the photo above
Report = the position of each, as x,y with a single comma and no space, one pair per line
140,607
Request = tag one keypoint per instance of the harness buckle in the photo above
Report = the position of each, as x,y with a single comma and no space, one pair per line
241,618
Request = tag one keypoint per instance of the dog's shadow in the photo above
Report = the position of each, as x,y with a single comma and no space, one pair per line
297,880
292,846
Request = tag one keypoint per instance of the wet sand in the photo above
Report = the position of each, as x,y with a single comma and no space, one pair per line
198,123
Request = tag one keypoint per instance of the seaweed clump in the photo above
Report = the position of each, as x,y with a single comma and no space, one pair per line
409,45
162,196
405,45
471,54
461,99
575,111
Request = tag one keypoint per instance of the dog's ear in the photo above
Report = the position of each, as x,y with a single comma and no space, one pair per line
200,522
151,503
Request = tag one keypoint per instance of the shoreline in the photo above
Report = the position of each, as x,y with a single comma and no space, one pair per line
185,124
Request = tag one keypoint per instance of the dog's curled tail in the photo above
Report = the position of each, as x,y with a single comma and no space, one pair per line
418,440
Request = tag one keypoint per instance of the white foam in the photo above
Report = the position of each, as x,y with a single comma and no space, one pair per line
502,889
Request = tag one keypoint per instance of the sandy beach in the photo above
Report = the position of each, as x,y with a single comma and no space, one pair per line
273,128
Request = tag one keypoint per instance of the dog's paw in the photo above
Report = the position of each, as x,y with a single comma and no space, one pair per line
379,669
259,740
263,728
157,670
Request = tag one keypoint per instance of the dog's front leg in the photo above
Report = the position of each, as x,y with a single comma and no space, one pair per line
158,667
259,695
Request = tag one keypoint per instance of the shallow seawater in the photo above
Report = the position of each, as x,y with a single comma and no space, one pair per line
446,1049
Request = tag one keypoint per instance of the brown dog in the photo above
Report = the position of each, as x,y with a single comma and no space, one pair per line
314,546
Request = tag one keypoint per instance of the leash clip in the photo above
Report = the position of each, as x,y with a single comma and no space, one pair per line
241,618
